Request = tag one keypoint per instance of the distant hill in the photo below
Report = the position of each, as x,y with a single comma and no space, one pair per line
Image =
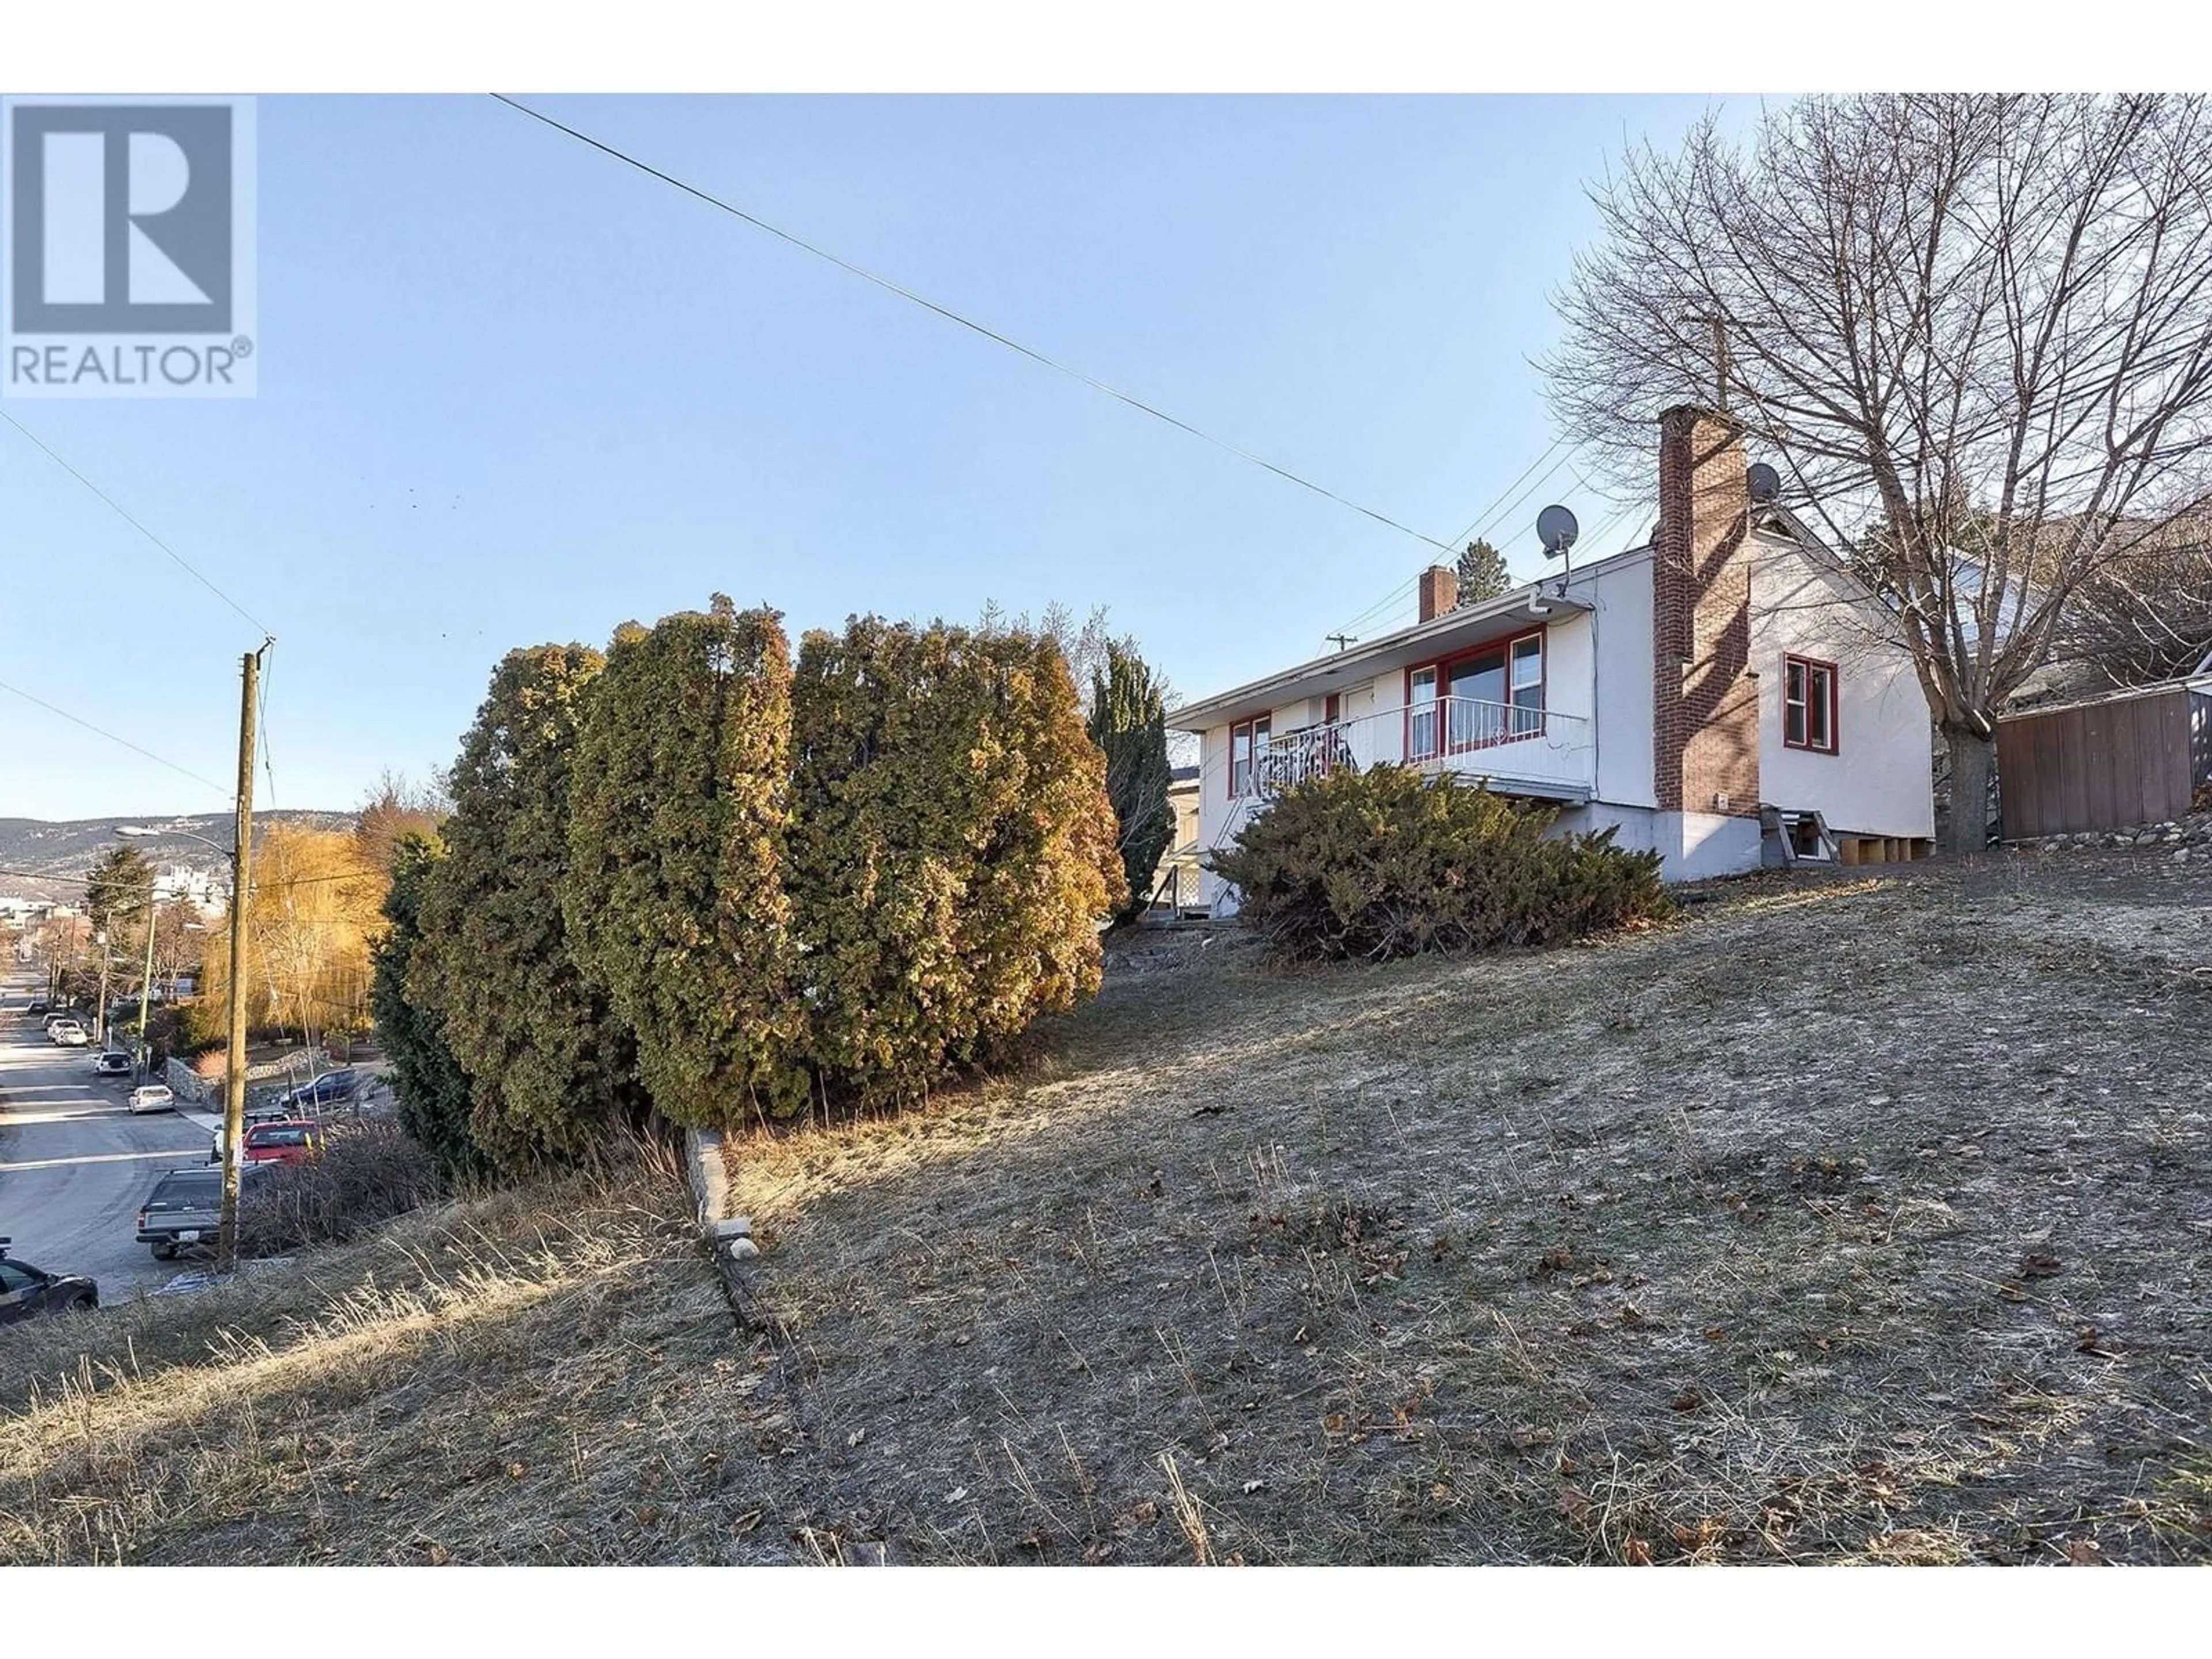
34,848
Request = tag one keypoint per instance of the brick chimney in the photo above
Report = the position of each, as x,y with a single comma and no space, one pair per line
1439,592
1704,710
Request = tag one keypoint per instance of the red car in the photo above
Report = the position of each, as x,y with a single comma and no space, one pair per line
294,1141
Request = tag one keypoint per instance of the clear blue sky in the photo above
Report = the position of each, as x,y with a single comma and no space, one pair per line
511,391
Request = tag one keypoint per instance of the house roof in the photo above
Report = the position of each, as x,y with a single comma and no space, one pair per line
1424,641
1420,643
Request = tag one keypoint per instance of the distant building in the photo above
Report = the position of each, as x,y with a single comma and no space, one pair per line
206,889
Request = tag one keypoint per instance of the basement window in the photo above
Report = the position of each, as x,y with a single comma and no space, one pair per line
1808,705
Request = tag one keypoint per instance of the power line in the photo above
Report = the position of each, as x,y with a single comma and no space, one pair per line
1403,587
1493,520
101,731
257,883
1467,534
261,728
183,563
968,323
1482,521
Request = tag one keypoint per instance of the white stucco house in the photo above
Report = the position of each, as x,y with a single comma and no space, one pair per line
1726,695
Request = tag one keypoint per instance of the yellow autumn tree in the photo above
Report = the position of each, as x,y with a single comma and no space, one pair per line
317,910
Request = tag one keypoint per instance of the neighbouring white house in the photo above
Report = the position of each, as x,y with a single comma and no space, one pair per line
1727,695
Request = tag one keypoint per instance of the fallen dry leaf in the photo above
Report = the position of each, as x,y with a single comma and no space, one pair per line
2041,1264
1636,1553
2084,1553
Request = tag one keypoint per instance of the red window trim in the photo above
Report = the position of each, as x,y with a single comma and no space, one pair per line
1444,664
1812,665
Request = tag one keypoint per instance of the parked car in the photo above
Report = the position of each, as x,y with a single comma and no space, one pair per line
331,1088
294,1141
111,1064
68,1033
57,1016
25,1290
185,1207
38,1008
152,1097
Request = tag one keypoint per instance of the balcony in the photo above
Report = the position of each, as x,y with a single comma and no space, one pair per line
1520,751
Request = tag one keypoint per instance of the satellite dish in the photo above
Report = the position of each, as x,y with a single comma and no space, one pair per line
1766,483
1557,528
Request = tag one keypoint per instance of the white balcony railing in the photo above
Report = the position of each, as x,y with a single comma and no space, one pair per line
1450,734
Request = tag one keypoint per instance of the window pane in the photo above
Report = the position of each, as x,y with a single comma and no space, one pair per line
1793,722
1816,708
1481,677
1528,663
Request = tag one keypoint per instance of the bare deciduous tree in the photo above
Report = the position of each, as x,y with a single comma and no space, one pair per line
1975,332
2147,616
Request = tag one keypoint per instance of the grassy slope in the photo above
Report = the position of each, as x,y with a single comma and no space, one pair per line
1864,1220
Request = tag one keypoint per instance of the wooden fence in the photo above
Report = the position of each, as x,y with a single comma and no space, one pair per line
2110,764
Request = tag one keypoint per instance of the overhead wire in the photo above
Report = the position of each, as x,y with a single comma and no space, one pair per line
1497,516
101,731
1482,521
1479,519
117,508
257,882
966,322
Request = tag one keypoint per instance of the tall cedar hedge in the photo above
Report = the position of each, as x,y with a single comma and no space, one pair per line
674,897
550,1065
1382,863
952,850
432,1089
689,875
1129,724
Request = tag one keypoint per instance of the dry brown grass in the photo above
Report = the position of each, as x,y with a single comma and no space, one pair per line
1860,1220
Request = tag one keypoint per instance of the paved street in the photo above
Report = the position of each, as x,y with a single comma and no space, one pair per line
73,1165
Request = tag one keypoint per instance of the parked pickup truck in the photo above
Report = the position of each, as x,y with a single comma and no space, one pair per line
185,1208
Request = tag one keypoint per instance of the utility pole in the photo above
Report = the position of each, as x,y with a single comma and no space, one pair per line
146,989
100,1009
1341,640
234,1093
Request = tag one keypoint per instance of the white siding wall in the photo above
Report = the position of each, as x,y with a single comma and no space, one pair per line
1877,782
1621,634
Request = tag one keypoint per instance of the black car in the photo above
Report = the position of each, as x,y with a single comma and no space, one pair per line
25,1290
38,1008
331,1088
